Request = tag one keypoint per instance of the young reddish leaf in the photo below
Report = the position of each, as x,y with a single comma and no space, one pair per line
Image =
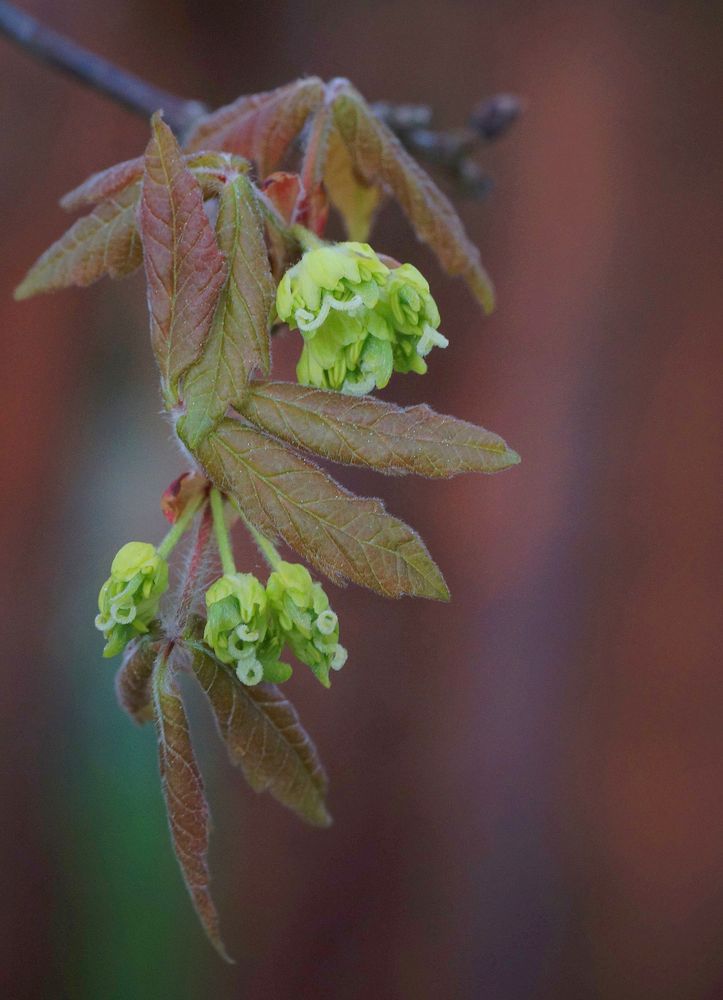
133,680
315,206
284,192
367,431
354,199
103,242
103,184
260,126
184,795
264,737
184,267
381,159
278,202
211,169
344,536
187,487
238,342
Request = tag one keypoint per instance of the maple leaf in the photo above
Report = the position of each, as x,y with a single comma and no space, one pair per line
380,159
184,795
260,127
238,340
185,269
264,737
371,432
345,536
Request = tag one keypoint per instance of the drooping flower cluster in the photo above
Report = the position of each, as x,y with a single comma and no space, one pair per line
360,319
241,631
309,625
249,625
128,600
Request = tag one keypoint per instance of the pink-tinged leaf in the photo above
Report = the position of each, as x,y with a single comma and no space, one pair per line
211,169
344,536
189,486
183,791
314,208
264,737
104,242
260,127
185,269
103,184
284,192
282,195
354,199
238,342
381,159
133,680
373,433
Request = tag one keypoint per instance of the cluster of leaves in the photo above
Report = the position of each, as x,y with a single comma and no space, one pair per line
211,293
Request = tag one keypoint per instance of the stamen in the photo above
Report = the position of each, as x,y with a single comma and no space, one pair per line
124,616
249,671
339,658
429,339
327,622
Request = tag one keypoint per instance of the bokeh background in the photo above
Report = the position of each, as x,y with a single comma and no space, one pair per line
526,783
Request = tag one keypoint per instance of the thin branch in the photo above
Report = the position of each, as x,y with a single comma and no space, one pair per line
126,89
451,152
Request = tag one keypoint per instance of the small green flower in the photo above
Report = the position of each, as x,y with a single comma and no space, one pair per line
360,320
128,600
241,630
309,625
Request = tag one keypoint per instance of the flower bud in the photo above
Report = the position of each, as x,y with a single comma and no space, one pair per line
241,630
128,600
359,318
310,627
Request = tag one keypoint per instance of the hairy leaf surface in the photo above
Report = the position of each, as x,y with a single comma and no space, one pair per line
211,169
264,737
238,342
345,536
184,267
184,794
381,159
133,679
370,432
260,126
103,184
104,242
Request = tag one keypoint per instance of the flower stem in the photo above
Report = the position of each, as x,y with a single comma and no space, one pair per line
305,238
268,551
223,541
179,528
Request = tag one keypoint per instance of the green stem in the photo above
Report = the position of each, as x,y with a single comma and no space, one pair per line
305,238
179,528
220,529
268,551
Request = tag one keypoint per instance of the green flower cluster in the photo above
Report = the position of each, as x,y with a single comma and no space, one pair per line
128,600
360,319
248,624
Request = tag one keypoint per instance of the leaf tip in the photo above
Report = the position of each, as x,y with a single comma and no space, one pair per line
23,291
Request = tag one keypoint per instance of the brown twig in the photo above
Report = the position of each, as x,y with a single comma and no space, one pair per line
451,152
126,89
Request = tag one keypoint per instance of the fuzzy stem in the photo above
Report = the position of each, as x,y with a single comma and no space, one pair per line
180,527
268,551
223,540
305,238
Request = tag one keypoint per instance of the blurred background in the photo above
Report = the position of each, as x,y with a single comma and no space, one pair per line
526,783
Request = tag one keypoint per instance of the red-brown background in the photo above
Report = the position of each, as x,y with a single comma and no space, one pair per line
526,783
